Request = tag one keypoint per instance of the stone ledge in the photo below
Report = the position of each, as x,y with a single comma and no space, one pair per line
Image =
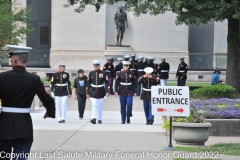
224,127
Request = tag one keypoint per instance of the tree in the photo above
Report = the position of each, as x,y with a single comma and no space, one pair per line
14,24
191,12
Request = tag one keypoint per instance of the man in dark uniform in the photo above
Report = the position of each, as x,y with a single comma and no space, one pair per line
163,71
125,87
109,69
181,74
120,20
61,86
147,81
133,65
149,62
97,89
140,72
155,69
119,66
17,90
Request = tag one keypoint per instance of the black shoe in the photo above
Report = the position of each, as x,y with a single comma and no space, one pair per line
128,120
151,121
99,122
123,123
63,121
147,122
93,121
60,122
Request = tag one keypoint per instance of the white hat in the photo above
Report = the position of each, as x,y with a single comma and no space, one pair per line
133,54
13,49
149,57
96,62
163,57
182,58
148,70
127,56
126,62
140,57
109,58
61,64
120,59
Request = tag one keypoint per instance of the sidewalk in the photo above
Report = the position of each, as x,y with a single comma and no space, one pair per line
79,139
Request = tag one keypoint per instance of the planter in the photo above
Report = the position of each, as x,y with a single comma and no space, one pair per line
224,127
190,133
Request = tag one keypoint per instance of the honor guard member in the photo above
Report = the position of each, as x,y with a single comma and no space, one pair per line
133,66
147,82
149,62
109,69
61,86
140,72
181,74
97,89
126,58
17,90
125,87
163,68
119,66
155,69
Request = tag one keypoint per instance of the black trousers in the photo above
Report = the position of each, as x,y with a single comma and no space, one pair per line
21,149
81,104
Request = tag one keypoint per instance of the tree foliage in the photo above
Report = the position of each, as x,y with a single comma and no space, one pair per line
14,24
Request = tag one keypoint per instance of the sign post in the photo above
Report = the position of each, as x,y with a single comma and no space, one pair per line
170,101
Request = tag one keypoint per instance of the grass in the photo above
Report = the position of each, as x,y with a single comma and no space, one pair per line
220,148
195,159
190,84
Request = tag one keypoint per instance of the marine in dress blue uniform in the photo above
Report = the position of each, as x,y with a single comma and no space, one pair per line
163,68
119,66
97,89
147,80
181,74
17,91
140,72
109,69
61,89
126,88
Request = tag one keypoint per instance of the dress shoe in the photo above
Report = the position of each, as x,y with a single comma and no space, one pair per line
147,122
128,120
99,122
60,122
151,121
93,121
63,121
123,123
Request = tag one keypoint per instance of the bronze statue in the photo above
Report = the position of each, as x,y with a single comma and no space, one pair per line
120,20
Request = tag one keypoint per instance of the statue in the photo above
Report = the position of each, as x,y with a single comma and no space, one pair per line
120,20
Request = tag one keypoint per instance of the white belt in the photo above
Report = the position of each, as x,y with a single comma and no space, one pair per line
122,69
146,89
181,71
61,84
132,69
16,110
107,71
141,70
164,70
125,83
101,85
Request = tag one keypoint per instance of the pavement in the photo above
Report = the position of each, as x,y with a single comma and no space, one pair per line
79,139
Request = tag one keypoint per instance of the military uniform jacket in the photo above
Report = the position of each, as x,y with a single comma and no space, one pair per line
133,67
61,84
97,85
125,84
164,70
140,69
150,64
182,70
17,90
147,83
109,69
118,68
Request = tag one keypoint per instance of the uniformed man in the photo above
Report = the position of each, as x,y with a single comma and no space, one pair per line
17,90
140,72
109,69
181,74
147,82
61,86
119,66
126,57
149,62
125,87
97,89
163,68
146,60
155,69
133,66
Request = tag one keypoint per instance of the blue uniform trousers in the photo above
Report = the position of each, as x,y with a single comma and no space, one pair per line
21,148
148,110
126,107
139,89
110,82
181,82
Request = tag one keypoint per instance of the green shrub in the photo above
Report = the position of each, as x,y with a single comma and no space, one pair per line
214,91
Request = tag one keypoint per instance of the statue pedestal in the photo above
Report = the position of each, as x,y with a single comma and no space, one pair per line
118,51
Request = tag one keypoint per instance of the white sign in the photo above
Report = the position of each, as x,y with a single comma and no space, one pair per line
170,101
